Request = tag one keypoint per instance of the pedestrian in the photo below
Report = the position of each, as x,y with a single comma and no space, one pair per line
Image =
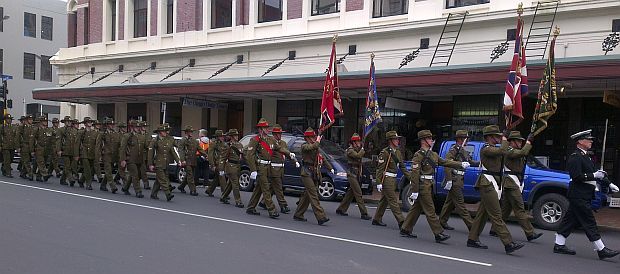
389,160
9,140
454,182
423,166
161,153
202,165
131,156
311,177
355,154
188,147
216,156
489,186
583,185
87,140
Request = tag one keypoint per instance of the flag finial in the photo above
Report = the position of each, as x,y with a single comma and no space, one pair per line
520,9
556,32
372,55
335,38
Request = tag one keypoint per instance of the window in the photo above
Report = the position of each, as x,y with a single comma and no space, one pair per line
463,3
615,25
170,16
221,13
269,10
47,28
383,8
1,19
46,69
86,26
140,10
325,6
511,34
72,35
112,20
30,25
29,66
1,61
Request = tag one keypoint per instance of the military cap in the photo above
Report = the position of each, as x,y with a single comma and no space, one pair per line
219,133
42,119
8,117
515,135
66,119
491,130
356,137
144,124
87,120
425,133
277,129
21,118
232,131
75,121
133,123
188,129
586,134
121,124
162,127
391,135
461,133
97,122
309,132
29,116
55,120
262,123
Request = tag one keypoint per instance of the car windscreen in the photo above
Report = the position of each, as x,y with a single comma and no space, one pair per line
332,149
535,163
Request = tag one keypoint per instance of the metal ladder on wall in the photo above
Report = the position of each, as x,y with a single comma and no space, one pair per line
447,40
540,30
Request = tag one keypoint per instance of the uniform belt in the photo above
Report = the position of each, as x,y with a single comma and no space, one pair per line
458,172
264,162
426,177
233,162
492,173
277,165
591,183
390,174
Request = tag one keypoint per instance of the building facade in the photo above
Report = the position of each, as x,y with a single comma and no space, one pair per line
225,63
31,31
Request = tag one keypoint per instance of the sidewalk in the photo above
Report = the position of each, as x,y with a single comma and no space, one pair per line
607,218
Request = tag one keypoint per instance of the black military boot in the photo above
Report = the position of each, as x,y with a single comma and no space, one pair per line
9,175
64,183
126,191
193,193
285,210
262,205
274,215
607,253
534,236
239,205
81,184
139,194
182,189
366,217
323,221
100,180
407,234
300,219
89,187
476,244
447,227
252,212
341,213
378,223
512,247
169,197
441,237
103,187
39,179
30,178
114,190
224,201
46,178
154,196
72,183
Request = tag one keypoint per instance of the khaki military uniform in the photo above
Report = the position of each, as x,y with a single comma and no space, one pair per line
455,199
311,178
146,138
389,160
217,159
233,170
277,173
161,153
422,180
258,154
132,149
26,150
354,158
9,140
67,142
188,147
43,140
53,152
489,208
110,143
87,140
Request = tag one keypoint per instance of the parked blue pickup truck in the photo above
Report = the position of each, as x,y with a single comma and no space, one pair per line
544,192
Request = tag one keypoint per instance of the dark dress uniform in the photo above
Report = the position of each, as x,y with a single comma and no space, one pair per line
354,191
9,140
233,169
188,147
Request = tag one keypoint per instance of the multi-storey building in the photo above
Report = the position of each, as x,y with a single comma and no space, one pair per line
224,63
31,31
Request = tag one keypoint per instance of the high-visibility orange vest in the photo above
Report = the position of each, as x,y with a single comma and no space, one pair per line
204,146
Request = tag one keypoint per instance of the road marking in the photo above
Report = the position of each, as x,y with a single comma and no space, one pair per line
258,225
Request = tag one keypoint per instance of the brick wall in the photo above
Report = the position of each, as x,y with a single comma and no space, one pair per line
121,19
355,5
243,12
186,15
199,15
294,8
154,7
95,11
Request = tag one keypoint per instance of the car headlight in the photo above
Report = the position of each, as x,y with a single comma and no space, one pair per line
341,174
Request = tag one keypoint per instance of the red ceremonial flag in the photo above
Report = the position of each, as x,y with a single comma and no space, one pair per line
514,83
331,104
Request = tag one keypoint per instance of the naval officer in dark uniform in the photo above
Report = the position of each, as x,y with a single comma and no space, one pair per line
584,179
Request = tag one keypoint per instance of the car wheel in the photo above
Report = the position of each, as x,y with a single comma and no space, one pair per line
245,183
327,190
549,210
181,175
407,203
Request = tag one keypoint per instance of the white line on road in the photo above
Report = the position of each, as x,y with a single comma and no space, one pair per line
259,225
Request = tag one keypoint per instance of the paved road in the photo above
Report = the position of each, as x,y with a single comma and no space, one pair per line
49,228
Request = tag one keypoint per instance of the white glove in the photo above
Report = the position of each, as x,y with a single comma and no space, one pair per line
599,174
222,173
448,185
292,155
614,188
379,187
297,165
318,139
465,165
414,196
253,175
332,171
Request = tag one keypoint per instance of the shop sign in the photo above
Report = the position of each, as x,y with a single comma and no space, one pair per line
400,104
198,103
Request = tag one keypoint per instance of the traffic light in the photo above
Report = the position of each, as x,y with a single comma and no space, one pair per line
2,91
9,103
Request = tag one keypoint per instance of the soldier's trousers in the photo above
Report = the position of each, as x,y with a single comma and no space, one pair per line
455,201
353,192
54,165
162,181
97,169
217,180
389,198
69,169
87,170
310,197
133,178
121,173
579,214
263,188
7,160
276,185
232,172
41,163
108,165
513,201
189,179
489,208
26,161
143,176
423,203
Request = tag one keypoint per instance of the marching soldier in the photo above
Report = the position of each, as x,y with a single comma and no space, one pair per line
584,179
54,165
311,177
42,140
490,188
233,168
9,140
188,148
146,138
454,182
216,155
512,199
131,156
121,173
355,153
277,169
97,125
258,154
390,159
27,148
162,153
67,136
87,138
110,141
423,167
